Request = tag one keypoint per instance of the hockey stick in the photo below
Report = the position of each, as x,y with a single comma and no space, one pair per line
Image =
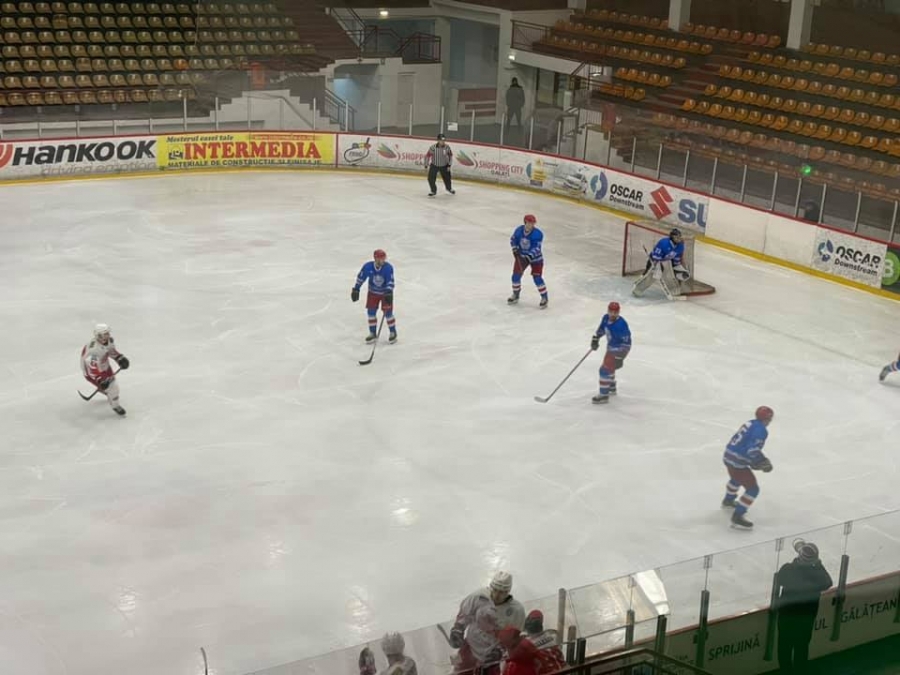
97,390
374,344
541,399
205,662
444,633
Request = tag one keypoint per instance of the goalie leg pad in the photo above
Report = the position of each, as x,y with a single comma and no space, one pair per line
642,284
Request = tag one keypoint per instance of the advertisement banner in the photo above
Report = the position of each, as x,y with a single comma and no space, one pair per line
77,157
647,198
251,149
890,281
844,255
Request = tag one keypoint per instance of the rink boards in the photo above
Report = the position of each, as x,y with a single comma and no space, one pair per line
855,260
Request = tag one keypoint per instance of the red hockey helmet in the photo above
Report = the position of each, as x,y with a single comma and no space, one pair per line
614,307
764,414
530,219
379,253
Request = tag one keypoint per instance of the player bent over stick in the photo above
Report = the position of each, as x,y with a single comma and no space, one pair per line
618,344
664,264
889,368
526,242
743,456
95,366
379,274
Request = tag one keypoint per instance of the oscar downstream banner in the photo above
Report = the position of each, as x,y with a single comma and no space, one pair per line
245,149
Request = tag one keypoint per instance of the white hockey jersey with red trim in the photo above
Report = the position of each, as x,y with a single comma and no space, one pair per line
95,360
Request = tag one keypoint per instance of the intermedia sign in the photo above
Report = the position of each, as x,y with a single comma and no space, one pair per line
77,157
250,149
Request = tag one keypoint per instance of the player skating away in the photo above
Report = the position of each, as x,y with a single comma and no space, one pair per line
618,344
743,456
393,646
526,241
379,274
889,368
95,366
668,251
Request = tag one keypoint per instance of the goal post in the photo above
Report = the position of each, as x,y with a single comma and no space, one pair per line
641,238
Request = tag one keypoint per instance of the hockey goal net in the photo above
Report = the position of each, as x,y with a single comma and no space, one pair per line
641,237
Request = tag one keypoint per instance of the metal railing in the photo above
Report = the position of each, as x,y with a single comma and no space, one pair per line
377,41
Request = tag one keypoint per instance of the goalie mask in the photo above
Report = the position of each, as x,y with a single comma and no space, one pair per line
675,236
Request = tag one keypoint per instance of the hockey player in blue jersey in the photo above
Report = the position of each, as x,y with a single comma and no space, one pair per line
668,251
889,368
743,456
526,243
379,274
618,344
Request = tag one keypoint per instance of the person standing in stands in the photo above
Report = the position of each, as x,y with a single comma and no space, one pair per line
515,101
438,160
798,586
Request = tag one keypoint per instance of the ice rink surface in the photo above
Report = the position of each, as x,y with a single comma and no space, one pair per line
270,499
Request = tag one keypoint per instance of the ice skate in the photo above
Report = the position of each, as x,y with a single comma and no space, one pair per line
884,373
729,503
600,398
513,299
452,192
739,522
432,194
370,338
393,338
119,410
544,302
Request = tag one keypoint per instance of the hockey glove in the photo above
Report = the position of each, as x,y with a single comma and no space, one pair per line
123,361
595,342
103,385
354,294
681,272
457,634
763,465
388,300
367,662
515,251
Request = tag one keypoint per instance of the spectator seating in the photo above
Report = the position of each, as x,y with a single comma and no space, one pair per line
84,53
853,54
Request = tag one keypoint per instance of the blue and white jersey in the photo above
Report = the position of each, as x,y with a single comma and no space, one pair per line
618,335
380,280
666,250
744,450
529,245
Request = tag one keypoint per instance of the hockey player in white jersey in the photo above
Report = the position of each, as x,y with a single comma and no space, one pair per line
892,367
510,611
95,366
475,639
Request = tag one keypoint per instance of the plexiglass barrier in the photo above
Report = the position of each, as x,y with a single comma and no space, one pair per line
841,190
623,612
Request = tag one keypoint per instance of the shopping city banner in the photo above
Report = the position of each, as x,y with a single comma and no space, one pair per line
245,149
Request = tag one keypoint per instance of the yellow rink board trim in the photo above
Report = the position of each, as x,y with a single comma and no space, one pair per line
762,257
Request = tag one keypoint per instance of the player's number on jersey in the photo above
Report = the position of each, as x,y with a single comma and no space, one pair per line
739,436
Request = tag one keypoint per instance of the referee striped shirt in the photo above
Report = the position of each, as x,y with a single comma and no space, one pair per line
439,155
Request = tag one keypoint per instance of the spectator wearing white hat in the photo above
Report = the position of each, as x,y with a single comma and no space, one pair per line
393,645
798,587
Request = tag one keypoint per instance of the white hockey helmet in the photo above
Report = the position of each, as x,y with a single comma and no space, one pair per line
393,644
502,582
101,329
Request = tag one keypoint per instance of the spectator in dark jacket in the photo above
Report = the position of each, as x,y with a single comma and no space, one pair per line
799,584
515,101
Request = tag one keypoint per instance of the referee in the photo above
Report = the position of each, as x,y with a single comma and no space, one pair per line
438,160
